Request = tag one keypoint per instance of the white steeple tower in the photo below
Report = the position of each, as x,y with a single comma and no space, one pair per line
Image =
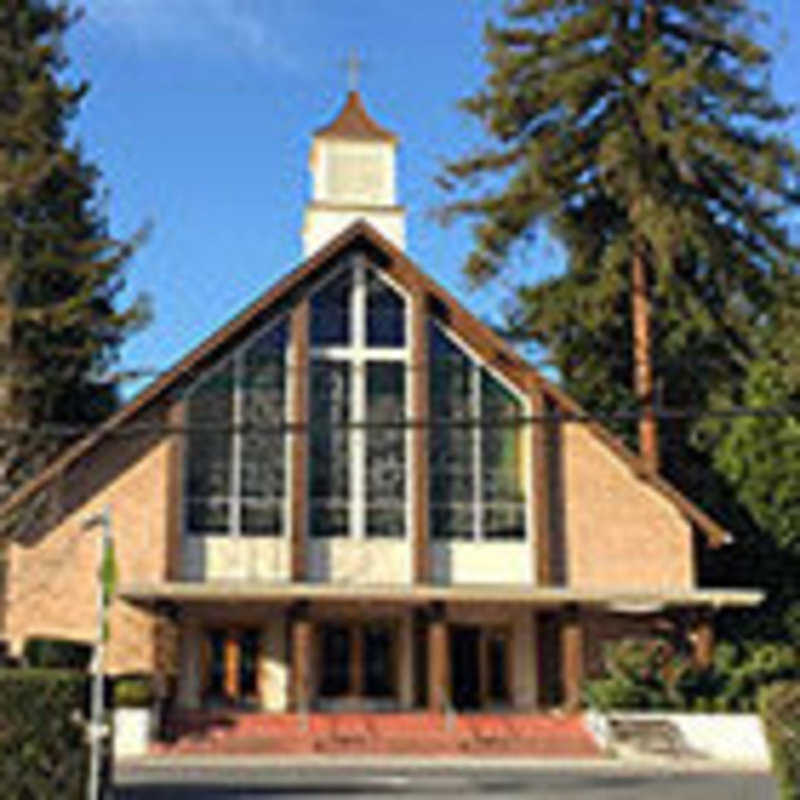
353,172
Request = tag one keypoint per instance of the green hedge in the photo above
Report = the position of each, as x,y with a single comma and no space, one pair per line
134,691
57,654
779,705
654,674
43,748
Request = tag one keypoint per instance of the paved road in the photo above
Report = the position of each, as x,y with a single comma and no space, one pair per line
255,783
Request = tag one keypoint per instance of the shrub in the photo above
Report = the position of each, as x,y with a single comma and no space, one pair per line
43,746
779,705
57,654
133,691
653,674
641,674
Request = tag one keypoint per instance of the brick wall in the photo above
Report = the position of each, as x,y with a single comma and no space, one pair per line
51,576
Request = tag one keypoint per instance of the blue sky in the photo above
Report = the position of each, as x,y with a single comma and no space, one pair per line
200,116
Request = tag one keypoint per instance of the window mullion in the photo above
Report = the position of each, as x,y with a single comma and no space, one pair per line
358,407
235,511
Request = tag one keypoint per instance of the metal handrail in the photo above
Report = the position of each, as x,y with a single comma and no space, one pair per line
448,709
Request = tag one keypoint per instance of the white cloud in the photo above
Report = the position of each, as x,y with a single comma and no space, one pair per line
247,28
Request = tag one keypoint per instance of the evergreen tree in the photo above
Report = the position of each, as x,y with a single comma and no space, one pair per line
642,135
60,271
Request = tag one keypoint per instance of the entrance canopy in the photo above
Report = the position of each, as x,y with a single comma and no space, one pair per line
617,600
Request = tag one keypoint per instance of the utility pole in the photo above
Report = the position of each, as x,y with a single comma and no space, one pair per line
96,727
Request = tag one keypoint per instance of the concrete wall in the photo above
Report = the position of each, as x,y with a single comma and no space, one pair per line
235,558
360,561
482,562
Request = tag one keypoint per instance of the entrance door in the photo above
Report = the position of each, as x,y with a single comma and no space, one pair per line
335,658
465,666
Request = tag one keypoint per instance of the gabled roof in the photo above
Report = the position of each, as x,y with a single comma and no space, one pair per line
353,122
462,321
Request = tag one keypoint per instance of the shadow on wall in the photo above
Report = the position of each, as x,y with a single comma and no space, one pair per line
87,477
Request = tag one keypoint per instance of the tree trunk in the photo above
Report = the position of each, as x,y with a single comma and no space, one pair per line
643,361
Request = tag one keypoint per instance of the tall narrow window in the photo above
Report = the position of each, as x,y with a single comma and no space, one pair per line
451,441
237,442
386,449
329,463
263,457
209,453
502,488
475,448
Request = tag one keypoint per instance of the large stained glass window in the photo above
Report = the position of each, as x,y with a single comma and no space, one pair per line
236,446
358,459
475,448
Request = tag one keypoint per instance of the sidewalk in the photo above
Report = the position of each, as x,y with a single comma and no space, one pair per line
164,763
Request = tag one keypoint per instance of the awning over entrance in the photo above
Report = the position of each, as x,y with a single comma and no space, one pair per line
617,600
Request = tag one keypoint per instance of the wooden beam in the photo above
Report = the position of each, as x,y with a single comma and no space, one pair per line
483,665
300,438
540,488
438,661
420,437
572,656
357,659
301,642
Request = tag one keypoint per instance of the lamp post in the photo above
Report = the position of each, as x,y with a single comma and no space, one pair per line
102,521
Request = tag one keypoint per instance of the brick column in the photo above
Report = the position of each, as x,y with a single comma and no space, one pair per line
300,439
571,657
420,433
438,661
301,644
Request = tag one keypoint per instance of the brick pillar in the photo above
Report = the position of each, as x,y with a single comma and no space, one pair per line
301,644
300,439
438,661
702,638
572,667
420,434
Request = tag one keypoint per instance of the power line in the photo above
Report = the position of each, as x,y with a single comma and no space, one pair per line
662,414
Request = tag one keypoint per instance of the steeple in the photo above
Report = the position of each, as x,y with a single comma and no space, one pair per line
353,168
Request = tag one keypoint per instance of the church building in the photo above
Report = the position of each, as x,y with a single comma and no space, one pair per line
355,495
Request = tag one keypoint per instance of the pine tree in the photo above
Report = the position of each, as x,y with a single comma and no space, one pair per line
60,271
644,136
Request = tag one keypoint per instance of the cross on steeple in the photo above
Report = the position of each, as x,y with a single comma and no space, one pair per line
354,65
